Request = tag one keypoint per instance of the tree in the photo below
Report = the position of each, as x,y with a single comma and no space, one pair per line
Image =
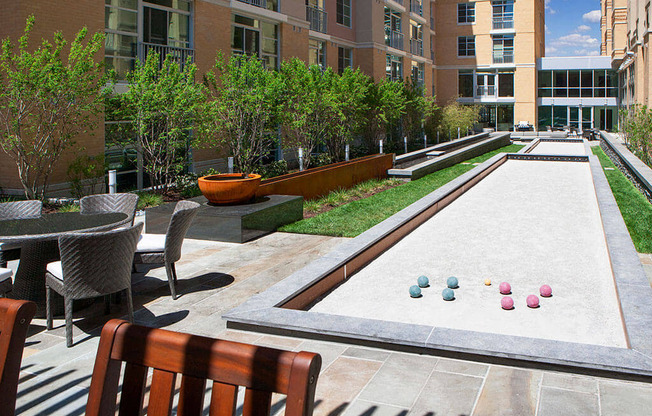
456,115
162,101
638,130
308,107
385,103
415,107
349,91
242,108
47,99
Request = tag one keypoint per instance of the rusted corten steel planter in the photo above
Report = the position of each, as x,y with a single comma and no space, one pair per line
316,182
229,188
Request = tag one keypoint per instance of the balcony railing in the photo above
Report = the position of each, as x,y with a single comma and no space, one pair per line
415,7
179,55
485,91
394,39
507,57
416,47
432,56
317,19
257,3
399,2
432,23
504,22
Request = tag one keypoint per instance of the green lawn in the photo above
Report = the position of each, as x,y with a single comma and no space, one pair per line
354,218
634,207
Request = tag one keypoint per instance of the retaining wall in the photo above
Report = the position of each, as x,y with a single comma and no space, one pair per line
636,170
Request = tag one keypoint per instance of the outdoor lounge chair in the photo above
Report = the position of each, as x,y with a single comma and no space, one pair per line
92,265
15,316
261,370
166,249
5,281
15,210
125,203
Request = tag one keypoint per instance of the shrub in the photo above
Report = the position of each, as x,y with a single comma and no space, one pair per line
271,170
322,159
86,173
149,200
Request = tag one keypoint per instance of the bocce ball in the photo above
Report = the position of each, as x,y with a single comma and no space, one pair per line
546,291
423,281
448,294
415,291
452,282
532,301
487,282
505,288
507,303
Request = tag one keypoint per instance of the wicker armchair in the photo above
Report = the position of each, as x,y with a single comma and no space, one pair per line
5,282
92,265
16,210
95,204
166,249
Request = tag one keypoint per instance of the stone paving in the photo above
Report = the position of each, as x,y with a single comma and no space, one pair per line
215,277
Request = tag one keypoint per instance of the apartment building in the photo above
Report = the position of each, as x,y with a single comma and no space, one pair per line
486,54
625,27
477,52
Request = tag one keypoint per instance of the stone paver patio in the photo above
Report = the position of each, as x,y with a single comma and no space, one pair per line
355,380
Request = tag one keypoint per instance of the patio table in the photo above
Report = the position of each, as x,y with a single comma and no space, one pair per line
38,238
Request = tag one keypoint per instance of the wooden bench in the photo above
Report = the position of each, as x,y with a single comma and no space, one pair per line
15,316
262,371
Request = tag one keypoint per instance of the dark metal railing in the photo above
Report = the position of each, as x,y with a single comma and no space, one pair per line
416,47
317,19
507,57
394,39
415,7
505,22
257,3
179,55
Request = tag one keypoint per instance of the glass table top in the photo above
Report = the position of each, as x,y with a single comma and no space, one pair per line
58,223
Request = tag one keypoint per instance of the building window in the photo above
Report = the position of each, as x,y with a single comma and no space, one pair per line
485,84
466,46
506,84
574,83
503,49
503,14
416,38
316,15
163,27
466,12
465,83
255,37
317,53
394,68
416,7
343,11
418,73
344,59
121,29
393,29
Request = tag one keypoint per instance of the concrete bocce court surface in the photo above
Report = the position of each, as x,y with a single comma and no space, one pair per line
537,218
355,380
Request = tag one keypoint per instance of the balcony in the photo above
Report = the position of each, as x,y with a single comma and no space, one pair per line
416,47
317,19
503,22
485,91
415,7
179,55
507,57
257,3
394,39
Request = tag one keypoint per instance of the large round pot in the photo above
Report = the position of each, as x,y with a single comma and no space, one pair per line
229,188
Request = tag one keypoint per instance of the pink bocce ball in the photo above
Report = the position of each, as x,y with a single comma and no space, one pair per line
532,301
546,291
505,288
507,303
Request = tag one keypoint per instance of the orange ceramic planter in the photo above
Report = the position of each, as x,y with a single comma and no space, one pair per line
229,188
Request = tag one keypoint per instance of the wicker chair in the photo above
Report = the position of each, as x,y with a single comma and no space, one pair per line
166,249
5,281
16,210
15,316
226,365
92,265
96,204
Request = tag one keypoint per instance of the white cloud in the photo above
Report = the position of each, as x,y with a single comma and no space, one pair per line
574,44
550,9
547,30
583,28
593,16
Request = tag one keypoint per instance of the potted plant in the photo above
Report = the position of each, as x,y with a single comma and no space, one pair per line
240,109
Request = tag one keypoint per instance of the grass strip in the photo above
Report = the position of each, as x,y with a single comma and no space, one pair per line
354,218
634,206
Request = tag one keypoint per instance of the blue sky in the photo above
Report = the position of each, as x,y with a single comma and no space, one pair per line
572,27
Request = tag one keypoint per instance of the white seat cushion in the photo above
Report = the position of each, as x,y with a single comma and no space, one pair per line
5,274
9,246
151,243
55,269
